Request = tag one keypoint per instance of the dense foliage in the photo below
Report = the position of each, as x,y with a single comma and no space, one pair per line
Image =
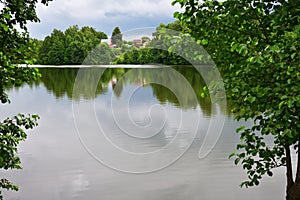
69,47
15,49
255,43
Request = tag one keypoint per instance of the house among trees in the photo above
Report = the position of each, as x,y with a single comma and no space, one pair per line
138,43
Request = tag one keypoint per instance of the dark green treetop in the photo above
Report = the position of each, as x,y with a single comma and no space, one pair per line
116,36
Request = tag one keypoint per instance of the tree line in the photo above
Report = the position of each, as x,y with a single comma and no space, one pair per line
75,46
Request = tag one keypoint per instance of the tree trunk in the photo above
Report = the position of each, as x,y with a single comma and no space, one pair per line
298,164
289,174
293,193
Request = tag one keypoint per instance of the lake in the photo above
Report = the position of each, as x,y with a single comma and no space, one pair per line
133,134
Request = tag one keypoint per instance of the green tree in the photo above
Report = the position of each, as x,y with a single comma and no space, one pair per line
43,51
116,37
52,50
56,51
256,45
69,47
72,54
91,38
102,54
15,50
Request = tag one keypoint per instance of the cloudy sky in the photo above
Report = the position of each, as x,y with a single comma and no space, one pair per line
103,15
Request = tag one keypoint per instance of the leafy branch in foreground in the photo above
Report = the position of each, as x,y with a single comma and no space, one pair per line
256,45
11,134
15,50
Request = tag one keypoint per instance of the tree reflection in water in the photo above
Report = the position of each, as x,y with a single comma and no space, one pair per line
60,82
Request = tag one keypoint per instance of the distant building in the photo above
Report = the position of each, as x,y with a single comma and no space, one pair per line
108,41
138,43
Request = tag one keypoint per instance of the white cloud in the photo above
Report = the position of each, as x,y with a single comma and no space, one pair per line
100,9
102,14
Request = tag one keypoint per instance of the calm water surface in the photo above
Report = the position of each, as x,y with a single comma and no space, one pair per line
127,138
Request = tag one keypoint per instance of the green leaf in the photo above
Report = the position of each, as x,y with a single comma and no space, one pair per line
270,173
231,155
176,14
281,104
236,161
6,16
5,27
290,103
241,128
204,42
293,55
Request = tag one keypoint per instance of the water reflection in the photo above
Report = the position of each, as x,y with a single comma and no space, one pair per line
132,128
60,82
